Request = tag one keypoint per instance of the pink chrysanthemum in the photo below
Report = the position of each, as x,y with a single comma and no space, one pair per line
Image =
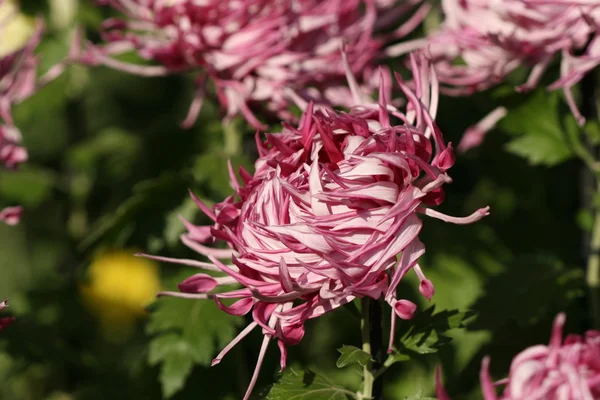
259,51
18,71
563,370
19,38
481,41
6,321
11,154
324,217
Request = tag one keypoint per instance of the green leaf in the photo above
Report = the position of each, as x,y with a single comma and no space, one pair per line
306,385
177,362
585,220
419,396
187,332
351,355
174,227
425,333
531,288
145,209
28,186
543,139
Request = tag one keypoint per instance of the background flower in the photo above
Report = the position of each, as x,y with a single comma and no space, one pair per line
258,52
118,289
5,321
568,370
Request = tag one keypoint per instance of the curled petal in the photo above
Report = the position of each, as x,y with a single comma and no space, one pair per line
405,309
439,385
239,308
198,283
476,216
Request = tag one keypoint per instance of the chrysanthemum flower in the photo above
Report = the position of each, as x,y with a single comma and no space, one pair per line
256,52
109,295
6,321
19,37
11,215
328,210
481,41
11,154
563,370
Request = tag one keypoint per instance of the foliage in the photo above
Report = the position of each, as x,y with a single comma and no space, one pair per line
110,168
306,385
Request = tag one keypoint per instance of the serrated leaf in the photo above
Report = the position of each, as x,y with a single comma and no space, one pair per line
425,334
351,355
540,149
396,356
306,385
176,367
419,396
543,140
187,332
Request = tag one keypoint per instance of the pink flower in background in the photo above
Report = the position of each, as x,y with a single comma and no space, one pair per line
11,154
269,52
480,42
563,370
18,69
20,36
6,321
11,215
329,208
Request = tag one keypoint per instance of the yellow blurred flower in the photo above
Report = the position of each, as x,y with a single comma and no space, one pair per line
16,28
118,289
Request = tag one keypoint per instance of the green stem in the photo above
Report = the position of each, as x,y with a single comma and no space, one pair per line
368,376
593,270
232,138
589,154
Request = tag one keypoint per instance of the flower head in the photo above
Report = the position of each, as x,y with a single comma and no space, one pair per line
18,63
11,215
566,370
492,38
11,154
6,321
255,52
329,208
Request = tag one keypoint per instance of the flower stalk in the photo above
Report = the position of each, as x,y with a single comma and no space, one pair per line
590,112
368,373
593,271
372,336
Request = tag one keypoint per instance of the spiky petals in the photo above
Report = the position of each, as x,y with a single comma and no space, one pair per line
565,370
266,52
329,208
6,321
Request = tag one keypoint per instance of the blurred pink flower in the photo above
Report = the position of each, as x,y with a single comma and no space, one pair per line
563,370
480,42
11,154
19,37
329,208
257,51
6,321
11,215
18,71
493,38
